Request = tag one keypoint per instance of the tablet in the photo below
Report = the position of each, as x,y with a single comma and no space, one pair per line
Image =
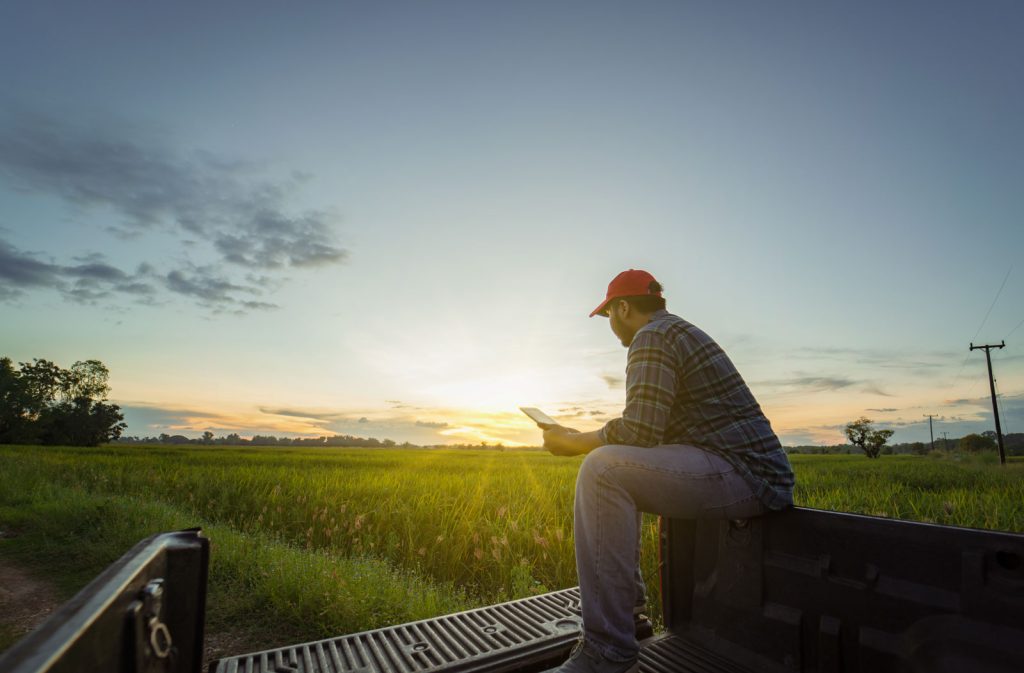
538,416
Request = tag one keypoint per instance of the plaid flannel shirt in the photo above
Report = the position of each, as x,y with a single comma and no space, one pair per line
681,388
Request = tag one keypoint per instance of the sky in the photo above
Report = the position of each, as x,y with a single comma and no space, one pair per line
392,219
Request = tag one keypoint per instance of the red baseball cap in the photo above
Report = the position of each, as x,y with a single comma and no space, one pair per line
631,283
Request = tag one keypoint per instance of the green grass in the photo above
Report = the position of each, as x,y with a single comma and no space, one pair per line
973,492
278,591
309,543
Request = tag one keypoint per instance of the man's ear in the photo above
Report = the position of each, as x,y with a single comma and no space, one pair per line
625,307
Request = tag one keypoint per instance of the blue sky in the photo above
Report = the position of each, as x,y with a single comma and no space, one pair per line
392,219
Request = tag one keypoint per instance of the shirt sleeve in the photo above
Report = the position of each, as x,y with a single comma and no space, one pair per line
650,391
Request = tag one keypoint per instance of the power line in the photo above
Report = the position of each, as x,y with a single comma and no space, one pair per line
989,312
982,325
1015,328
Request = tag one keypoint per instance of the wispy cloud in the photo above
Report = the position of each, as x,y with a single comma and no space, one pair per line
889,359
875,389
802,383
84,282
577,412
206,201
808,383
613,380
96,281
309,414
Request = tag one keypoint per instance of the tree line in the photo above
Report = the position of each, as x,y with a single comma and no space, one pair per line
41,403
234,439
865,438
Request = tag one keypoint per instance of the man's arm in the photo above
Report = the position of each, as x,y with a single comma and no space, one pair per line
650,391
562,441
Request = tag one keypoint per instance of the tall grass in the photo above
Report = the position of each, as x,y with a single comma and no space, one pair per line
305,537
954,490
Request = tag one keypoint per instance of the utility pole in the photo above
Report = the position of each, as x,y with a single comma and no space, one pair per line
945,442
992,387
932,434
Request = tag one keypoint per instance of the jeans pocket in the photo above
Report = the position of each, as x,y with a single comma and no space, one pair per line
737,501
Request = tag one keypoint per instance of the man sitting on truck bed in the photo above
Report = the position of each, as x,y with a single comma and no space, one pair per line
692,443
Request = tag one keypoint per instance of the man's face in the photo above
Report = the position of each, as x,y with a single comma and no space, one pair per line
615,318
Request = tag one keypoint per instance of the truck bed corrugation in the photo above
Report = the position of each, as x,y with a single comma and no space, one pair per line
675,654
531,633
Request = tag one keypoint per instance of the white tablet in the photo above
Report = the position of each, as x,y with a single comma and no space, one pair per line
538,416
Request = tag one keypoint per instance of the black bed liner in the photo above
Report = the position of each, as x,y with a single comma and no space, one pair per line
800,590
531,634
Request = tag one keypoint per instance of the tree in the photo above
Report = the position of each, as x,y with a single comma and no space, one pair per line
40,402
974,443
919,448
82,422
863,434
86,378
15,418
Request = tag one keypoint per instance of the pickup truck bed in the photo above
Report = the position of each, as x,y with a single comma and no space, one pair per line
532,634
800,590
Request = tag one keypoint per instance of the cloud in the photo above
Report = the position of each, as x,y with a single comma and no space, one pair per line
613,381
576,412
313,414
148,419
431,424
820,384
810,383
889,359
882,411
209,202
84,282
96,280
18,270
211,289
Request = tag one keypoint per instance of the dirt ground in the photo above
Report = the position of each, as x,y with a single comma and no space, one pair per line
25,601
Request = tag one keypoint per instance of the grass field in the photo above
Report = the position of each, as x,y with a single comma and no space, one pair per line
309,543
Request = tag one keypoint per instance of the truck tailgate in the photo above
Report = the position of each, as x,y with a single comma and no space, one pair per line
531,634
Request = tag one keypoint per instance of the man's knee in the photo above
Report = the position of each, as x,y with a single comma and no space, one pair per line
599,461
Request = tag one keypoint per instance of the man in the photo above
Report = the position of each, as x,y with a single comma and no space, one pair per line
692,442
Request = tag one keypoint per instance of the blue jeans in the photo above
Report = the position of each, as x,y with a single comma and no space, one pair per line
615,484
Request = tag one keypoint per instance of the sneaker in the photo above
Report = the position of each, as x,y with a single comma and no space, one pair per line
586,659
642,626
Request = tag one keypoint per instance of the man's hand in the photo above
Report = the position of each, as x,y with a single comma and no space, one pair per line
563,441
